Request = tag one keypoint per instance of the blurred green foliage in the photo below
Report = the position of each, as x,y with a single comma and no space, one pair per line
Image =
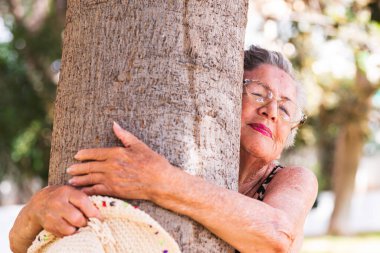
27,89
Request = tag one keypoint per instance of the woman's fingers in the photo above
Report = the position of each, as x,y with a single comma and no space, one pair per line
65,210
97,189
86,168
61,210
95,154
73,216
87,179
110,170
124,136
84,204
60,228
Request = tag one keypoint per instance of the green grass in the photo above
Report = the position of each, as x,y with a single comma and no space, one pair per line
364,243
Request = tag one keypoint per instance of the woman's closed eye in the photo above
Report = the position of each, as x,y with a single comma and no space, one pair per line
259,97
284,109
257,94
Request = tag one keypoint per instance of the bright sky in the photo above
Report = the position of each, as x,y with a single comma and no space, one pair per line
5,35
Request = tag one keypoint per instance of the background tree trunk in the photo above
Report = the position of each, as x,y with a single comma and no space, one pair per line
349,145
168,71
354,119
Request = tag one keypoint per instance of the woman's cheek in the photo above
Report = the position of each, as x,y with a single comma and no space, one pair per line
284,132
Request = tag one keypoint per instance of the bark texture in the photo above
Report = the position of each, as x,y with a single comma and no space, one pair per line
168,71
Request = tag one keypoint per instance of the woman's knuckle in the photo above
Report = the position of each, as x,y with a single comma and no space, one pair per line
117,163
114,164
78,220
50,227
65,188
122,152
100,189
56,205
81,197
89,191
62,191
88,167
60,227
48,218
67,230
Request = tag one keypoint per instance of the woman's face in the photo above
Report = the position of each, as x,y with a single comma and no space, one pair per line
263,131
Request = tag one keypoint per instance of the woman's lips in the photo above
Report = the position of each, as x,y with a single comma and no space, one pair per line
261,129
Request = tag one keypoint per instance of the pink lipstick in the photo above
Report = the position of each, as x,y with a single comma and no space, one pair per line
261,128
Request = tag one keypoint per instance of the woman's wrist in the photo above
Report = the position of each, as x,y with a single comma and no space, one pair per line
24,229
176,191
167,188
30,222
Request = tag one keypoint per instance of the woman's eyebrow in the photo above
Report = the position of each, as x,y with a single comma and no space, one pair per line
286,98
266,86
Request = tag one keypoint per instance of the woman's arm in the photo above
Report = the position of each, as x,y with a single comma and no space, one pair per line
24,231
247,224
58,209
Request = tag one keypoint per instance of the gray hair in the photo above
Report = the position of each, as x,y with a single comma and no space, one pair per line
256,56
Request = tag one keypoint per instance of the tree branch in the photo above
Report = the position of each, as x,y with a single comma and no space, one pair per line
39,12
32,23
17,10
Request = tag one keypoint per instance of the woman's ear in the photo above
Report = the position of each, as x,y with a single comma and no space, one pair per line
291,137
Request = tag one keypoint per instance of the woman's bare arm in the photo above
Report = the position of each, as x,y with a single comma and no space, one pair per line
245,223
23,232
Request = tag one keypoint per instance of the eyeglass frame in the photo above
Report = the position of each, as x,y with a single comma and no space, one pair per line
271,98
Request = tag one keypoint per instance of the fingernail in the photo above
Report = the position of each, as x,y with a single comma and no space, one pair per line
116,125
69,170
71,181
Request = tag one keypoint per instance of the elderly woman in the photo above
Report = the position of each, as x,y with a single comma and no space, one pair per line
266,215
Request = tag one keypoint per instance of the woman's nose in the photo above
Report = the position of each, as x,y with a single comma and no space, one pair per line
269,110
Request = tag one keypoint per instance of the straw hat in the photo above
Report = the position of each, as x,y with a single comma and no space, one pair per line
125,229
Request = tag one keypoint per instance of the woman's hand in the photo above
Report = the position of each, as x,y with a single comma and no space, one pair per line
130,172
60,210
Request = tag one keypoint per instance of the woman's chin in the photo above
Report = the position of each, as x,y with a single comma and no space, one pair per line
259,150
263,147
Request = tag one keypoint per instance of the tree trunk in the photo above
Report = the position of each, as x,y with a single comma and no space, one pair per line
168,71
349,144
348,151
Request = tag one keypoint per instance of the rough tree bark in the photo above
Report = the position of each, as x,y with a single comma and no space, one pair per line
169,72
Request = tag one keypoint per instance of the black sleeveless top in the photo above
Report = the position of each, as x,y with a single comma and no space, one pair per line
260,193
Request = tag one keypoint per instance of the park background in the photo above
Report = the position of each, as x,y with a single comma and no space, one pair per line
334,46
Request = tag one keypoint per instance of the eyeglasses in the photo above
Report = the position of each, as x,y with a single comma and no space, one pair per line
260,93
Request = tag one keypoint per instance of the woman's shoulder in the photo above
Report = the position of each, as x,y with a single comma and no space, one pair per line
293,190
297,178
298,171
